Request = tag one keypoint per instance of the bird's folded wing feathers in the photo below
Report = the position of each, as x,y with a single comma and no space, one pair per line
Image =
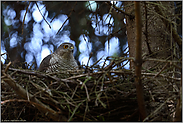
44,64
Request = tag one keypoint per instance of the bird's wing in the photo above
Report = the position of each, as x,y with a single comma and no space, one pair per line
44,64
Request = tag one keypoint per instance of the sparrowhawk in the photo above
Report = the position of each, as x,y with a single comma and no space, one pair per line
61,59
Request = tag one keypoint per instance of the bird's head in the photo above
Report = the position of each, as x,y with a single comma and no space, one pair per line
65,50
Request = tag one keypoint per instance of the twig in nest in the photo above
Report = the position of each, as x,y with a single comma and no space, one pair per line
87,93
88,63
46,89
161,70
74,91
157,110
96,62
87,79
41,107
69,102
7,67
38,74
76,109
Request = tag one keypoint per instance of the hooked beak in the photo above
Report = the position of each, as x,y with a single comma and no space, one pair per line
72,49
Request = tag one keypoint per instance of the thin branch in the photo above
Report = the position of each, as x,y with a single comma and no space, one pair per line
67,18
38,74
42,15
63,24
162,60
24,18
167,22
7,67
138,62
131,16
146,32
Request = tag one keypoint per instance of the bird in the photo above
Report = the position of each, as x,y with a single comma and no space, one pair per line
62,59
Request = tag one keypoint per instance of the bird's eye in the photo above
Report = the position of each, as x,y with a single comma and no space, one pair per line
66,46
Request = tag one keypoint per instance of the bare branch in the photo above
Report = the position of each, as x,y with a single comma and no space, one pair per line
138,62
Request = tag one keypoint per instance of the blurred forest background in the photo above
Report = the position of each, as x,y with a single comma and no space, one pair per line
32,30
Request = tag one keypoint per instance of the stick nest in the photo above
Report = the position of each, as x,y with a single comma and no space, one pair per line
89,94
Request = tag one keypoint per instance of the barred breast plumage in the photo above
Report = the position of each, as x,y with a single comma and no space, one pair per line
61,59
